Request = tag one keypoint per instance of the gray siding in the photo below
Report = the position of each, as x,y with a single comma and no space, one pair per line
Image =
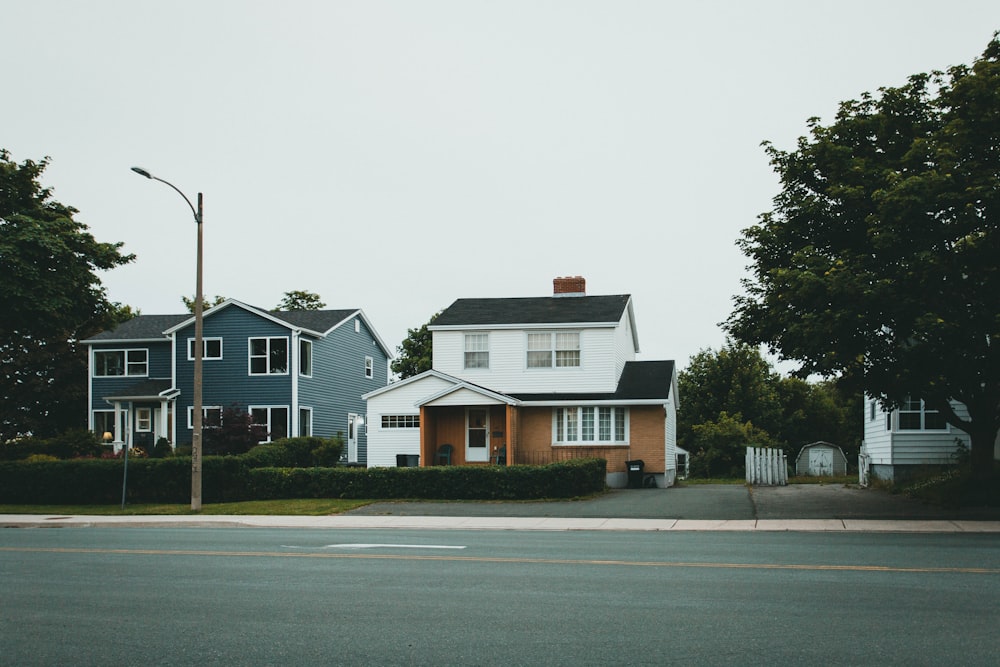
338,380
227,381
159,367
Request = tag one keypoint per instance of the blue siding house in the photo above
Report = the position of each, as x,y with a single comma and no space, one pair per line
296,373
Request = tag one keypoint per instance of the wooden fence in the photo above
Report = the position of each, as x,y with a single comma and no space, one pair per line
766,466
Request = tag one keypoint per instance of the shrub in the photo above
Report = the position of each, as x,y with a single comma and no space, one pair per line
75,443
305,452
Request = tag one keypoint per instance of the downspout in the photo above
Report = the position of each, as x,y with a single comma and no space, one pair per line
293,418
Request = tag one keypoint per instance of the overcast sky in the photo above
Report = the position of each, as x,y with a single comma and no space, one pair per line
394,156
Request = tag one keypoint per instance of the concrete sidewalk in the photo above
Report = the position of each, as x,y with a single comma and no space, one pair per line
502,523
822,508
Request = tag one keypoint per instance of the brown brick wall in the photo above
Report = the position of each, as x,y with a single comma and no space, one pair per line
646,440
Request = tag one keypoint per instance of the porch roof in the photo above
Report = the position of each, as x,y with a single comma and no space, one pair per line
147,390
639,381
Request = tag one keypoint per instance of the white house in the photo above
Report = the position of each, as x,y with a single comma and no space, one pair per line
532,381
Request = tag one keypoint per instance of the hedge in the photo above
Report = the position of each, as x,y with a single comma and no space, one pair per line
231,478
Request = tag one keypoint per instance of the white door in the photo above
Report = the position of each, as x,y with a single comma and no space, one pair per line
352,438
477,434
820,461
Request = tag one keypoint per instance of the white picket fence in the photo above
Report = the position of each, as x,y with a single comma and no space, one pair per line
766,466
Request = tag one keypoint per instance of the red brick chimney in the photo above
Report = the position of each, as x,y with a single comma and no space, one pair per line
569,286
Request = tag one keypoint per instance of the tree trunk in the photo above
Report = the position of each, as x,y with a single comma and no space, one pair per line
981,453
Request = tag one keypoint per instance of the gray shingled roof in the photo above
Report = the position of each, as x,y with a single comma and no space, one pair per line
141,327
533,310
640,380
314,320
147,327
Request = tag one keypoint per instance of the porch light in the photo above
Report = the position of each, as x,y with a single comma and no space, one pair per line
198,349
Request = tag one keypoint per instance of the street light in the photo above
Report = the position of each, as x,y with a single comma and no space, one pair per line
196,398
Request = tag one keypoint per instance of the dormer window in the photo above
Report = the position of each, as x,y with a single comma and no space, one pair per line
553,349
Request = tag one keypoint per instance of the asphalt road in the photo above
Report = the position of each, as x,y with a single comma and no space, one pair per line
186,596
707,502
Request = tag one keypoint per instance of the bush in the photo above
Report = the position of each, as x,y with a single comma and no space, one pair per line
231,479
75,443
306,452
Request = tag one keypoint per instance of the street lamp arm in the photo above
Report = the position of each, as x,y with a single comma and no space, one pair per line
194,211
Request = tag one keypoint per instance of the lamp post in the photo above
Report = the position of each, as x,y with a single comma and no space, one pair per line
198,351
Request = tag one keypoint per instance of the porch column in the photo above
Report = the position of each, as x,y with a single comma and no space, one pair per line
163,419
116,444
425,456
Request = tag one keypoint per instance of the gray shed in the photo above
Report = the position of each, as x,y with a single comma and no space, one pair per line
821,459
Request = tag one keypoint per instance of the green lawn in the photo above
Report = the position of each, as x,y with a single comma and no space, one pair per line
299,507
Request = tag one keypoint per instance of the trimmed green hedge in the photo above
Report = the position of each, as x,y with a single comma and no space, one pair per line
232,478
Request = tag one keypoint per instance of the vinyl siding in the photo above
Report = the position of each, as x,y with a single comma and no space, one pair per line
904,447
508,372
158,367
338,380
384,444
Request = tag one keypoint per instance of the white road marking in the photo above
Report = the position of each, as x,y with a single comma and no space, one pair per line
378,546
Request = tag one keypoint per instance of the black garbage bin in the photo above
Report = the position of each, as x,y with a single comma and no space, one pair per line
635,473
407,460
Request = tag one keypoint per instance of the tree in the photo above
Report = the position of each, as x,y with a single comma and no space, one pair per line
300,300
879,258
205,303
736,380
51,299
718,446
416,353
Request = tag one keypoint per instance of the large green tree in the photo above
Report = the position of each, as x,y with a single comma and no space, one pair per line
416,353
879,259
51,298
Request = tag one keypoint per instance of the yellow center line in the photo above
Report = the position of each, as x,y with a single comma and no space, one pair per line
496,559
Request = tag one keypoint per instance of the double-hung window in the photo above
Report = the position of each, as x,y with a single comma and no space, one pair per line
553,349
590,425
269,356
477,350
305,357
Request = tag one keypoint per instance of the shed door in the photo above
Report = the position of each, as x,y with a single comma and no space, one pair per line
820,461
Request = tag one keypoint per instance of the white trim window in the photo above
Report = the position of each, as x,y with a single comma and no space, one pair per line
211,349
104,422
915,416
559,349
477,350
116,363
590,425
144,420
272,417
305,422
269,356
369,367
400,421
305,357
211,416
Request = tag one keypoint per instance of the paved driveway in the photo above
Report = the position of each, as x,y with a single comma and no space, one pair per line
702,501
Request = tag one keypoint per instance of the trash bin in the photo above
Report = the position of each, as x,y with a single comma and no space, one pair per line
407,460
635,473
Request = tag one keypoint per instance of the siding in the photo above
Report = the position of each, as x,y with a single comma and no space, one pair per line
598,370
158,367
338,381
898,447
384,444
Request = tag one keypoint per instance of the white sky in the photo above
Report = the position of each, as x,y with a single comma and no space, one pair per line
397,155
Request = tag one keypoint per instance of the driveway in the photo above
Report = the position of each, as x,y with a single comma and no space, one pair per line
703,502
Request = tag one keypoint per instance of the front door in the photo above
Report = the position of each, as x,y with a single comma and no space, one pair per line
477,434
